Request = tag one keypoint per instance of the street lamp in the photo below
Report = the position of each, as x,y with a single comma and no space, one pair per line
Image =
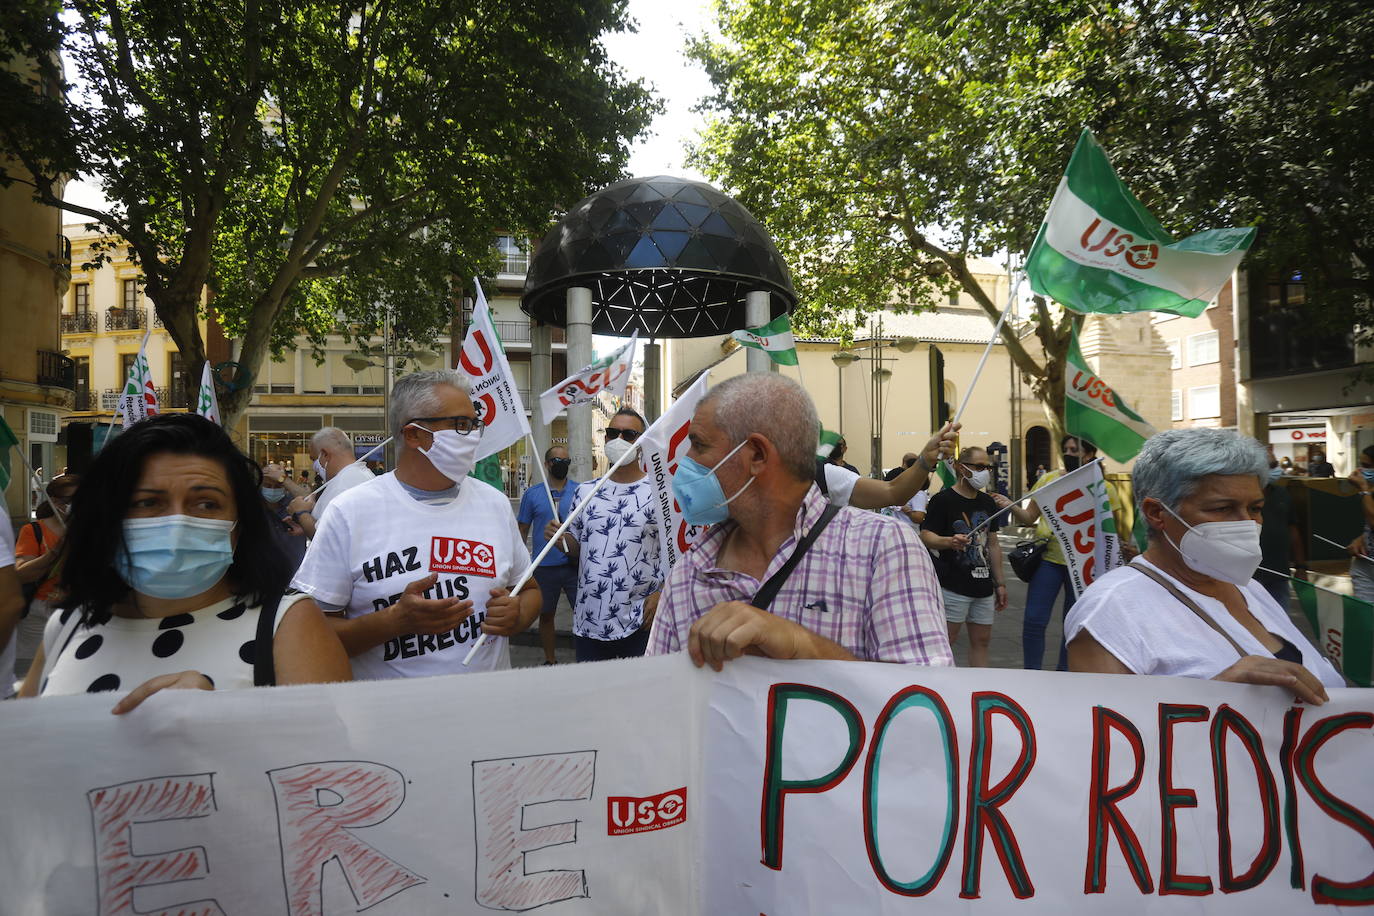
878,374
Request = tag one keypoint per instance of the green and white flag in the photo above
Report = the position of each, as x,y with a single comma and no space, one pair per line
946,473
774,338
207,405
827,444
1344,627
1100,250
138,400
1093,411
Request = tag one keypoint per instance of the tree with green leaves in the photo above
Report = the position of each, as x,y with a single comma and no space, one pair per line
313,163
887,143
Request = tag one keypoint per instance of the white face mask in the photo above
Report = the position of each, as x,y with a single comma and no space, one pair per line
978,479
318,468
451,453
616,449
1229,551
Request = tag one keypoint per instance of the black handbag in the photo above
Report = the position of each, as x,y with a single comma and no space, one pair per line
1025,558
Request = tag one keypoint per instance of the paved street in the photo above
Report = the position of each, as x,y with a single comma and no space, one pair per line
1006,632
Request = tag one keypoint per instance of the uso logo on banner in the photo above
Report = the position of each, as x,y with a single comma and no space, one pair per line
627,814
458,555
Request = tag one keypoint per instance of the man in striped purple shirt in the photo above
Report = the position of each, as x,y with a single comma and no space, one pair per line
865,590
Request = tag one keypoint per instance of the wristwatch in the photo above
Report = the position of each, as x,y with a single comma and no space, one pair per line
925,465
296,516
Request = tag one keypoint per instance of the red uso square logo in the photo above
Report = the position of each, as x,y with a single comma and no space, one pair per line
457,555
628,814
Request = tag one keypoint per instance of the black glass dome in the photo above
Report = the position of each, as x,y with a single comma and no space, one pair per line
664,256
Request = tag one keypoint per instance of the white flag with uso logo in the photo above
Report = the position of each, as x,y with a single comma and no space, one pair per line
610,373
660,449
494,392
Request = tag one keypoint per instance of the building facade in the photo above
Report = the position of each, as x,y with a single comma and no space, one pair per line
36,380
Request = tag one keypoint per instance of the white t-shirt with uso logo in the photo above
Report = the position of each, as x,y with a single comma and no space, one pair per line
376,539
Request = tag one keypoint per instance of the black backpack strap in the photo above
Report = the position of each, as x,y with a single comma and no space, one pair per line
770,589
264,667
37,532
820,477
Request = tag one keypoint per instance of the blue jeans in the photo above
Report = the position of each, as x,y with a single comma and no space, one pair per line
1041,594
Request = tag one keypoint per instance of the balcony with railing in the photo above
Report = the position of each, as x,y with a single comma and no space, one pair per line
56,370
80,323
122,319
172,397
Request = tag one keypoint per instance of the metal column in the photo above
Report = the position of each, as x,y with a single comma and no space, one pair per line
579,355
757,312
541,380
653,380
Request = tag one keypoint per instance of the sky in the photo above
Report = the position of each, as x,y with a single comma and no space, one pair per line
655,52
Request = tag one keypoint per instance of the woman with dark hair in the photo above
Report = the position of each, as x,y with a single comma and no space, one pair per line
172,578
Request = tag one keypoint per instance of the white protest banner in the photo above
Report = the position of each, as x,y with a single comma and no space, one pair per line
660,448
610,373
890,789
774,787
459,794
494,392
207,404
1079,513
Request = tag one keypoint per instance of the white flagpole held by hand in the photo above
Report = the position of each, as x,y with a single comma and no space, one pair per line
557,536
996,333
1342,547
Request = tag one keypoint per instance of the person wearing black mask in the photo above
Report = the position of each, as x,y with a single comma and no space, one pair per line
1052,576
557,574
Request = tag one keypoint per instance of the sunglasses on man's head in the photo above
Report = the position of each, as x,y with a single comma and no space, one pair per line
976,467
629,435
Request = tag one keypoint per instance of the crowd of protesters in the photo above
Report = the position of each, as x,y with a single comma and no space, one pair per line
175,561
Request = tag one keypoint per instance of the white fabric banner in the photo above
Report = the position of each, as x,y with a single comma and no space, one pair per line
207,404
609,374
660,449
494,392
650,786
1079,513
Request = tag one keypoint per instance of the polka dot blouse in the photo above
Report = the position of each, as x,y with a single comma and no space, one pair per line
219,641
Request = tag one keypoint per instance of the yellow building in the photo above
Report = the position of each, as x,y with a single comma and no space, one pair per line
36,380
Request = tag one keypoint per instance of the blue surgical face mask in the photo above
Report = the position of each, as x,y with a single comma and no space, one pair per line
175,556
698,492
273,494
1275,473
1368,474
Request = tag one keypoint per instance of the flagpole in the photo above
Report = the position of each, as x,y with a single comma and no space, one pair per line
1030,495
557,536
366,455
996,333
1342,547
544,478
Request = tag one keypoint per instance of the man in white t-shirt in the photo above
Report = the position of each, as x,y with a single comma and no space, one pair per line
331,452
415,565
11,608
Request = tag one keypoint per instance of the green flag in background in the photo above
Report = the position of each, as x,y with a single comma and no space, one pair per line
1344,627
774,338
946,474
8,440
1100,250
828,442
488,470
1095,412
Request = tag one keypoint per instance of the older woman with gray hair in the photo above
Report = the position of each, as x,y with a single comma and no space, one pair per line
1189,606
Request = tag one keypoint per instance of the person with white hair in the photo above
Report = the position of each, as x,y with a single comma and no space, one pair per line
784,572
1189,606
415,565
331,455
